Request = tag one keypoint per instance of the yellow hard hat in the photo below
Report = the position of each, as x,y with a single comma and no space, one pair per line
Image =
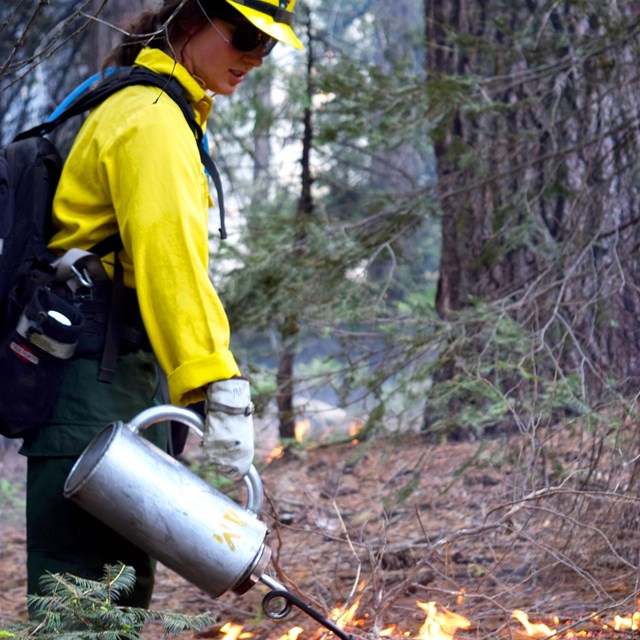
274,17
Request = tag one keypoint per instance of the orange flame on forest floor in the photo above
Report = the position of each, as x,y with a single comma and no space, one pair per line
234,632
592,627
276,453
292,634
440,625
631,622
535,629
354,429
301,428
443,624
302,431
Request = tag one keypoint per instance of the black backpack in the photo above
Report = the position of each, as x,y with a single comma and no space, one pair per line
30,168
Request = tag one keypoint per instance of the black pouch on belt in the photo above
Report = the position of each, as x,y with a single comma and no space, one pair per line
33,359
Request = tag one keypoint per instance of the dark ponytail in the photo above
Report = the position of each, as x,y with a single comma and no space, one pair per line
158,29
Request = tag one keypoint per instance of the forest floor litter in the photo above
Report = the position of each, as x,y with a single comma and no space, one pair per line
386,527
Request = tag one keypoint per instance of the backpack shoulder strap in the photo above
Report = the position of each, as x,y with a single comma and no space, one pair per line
127,76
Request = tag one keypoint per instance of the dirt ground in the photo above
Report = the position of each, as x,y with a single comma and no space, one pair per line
391,523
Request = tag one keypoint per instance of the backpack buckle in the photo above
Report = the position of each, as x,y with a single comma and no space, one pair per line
83,276
82,294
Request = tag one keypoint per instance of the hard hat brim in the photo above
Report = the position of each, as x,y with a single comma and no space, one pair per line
278,30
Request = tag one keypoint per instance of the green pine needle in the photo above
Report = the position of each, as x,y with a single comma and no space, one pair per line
73,608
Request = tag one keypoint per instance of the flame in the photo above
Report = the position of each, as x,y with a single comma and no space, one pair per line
300,430
234,632
276,452
628,622
292,634
440,625
343,618
535,630
354,430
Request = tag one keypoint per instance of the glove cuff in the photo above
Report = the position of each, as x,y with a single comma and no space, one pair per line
232,411
232,396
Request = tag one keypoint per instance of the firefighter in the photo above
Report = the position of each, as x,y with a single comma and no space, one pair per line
134,168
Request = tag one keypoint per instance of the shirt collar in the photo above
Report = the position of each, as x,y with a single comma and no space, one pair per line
160,62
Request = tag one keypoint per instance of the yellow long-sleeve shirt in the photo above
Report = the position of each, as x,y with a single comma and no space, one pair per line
135,167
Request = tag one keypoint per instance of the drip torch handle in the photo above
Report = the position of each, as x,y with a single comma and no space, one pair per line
167,412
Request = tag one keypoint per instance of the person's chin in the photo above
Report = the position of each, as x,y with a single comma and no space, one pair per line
226,88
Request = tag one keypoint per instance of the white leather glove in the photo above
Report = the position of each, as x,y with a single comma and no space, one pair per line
228,426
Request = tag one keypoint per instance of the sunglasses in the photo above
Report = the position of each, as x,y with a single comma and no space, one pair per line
246,37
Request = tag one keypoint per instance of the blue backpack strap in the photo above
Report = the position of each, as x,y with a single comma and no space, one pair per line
79,90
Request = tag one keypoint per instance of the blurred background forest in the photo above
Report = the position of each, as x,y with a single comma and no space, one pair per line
434,216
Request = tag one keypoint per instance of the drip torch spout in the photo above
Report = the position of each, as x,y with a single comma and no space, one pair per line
277,605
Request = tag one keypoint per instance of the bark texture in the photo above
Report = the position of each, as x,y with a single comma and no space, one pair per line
538,172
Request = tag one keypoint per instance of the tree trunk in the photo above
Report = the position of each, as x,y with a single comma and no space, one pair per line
537,171
285,380
289,328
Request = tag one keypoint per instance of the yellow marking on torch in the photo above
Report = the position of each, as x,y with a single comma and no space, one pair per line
228,538
233,517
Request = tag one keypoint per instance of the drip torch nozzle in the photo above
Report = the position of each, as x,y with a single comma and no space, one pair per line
278,602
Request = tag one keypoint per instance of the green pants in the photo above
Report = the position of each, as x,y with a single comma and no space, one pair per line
62,537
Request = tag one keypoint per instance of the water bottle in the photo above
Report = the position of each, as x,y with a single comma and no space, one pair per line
33,359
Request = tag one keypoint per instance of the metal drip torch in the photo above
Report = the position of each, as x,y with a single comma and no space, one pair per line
176,517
